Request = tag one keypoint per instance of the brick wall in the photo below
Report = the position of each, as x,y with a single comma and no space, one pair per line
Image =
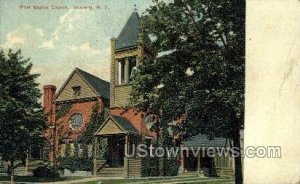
59,127
136,118
85,108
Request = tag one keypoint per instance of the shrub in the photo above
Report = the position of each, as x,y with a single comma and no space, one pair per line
75,163
149,166
172,167
46,171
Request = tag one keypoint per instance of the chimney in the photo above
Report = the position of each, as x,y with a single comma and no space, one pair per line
49,93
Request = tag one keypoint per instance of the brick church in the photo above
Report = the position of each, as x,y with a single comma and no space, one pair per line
69,111
82,91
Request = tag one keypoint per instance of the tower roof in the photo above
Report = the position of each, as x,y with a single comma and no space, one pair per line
129,34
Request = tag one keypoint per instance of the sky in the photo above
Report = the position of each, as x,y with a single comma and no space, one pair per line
57,36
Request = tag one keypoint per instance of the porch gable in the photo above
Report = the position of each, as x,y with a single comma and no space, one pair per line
115,125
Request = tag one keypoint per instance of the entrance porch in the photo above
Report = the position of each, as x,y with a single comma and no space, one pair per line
113,143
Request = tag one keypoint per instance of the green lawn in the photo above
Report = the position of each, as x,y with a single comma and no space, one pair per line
153,180
165,180
161,182
36,179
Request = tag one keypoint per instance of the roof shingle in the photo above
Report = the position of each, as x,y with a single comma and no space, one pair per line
202,140
124,123
102,87
129,34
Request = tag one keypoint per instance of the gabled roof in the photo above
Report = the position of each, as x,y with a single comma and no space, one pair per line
136,119
99,86
123,122
102,87
124,125
202,140
129,34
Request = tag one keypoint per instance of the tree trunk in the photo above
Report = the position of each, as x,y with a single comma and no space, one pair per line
157,144
237,158
11,172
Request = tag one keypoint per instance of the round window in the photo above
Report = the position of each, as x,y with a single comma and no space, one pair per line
76,121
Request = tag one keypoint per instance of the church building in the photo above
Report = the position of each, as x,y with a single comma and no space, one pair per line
69,112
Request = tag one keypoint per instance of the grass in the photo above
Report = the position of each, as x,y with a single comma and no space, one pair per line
38,179
161,180
157,180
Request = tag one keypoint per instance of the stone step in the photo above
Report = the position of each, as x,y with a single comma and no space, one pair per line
189,173
110,171
107,171
19,169
110,174
113,168
224,169
225,172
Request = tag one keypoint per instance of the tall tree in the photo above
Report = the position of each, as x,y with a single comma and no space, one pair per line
198,77
21,115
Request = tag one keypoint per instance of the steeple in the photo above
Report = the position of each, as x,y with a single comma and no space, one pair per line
129,34
127,51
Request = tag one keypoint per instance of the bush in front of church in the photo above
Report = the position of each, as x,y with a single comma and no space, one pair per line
149,166
46,171
172,167
75,163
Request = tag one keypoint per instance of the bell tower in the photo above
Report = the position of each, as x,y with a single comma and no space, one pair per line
127,51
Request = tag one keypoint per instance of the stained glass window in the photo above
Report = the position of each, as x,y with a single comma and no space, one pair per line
76,121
